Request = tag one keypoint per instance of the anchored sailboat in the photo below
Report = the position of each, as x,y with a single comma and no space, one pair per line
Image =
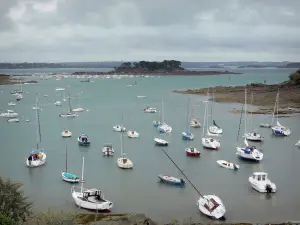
163,127
68,114
67,176
188,135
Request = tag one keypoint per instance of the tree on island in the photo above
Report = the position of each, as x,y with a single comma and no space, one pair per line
166,65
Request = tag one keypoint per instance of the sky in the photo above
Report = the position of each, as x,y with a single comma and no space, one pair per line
113,30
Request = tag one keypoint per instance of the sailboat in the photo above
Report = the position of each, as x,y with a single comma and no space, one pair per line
123,161
187,135
67,176
18,91
157,123
214,129
208,142
209,205
37,157
195,122
278,129
91,199
247,152
163,127
68,114
79,109
251,136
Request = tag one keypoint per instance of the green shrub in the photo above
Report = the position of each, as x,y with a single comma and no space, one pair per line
295,77
6,220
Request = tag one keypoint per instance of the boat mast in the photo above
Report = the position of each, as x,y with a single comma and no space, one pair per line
70,109
122,137
38,127
66,159
82,170
245,110
212,103
183,173
205,111
275,108
162,110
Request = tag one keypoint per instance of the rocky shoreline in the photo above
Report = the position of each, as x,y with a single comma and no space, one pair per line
264,96
7,79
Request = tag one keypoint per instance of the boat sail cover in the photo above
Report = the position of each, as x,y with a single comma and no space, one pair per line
279,125
214,123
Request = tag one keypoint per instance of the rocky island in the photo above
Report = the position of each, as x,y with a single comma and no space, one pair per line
166,67
264,96
7,79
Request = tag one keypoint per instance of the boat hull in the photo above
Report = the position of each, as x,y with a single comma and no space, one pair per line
160,142
249,156
210,143
36,163
186,136
194,153
217,211
70,180
215,130
228,165
122,165
171,180
261,187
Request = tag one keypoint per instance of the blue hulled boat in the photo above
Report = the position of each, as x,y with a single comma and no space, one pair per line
83,140
171,180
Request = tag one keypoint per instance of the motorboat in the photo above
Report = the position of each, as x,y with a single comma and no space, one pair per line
187,135
83,140
91,199
69,114
60,89
211,143
215,129
132,134
11,120
119,128
280,130
171,180
150,110
66,133
265,125
192,152
156,123
67,176
195,123
108,150
228,165
212,206
123,161
165,128
141,96
253,136
9,114
34,108
57,103
298,143
160,142
12,104
249,153
260,182
78,110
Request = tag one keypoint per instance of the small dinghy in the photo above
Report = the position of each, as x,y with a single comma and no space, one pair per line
160,142
212,206
119,128
12,104
156,123
66,133
192,152
265,125
78,110
83,140
228,165
150,110
253,136
187,135
108,150
67,176
298,143
171,180
91,199
260,182
133,134
57,103
13,120
141,96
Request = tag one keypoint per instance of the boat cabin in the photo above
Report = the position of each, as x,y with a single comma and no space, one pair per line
211,205
260,176
227,164
192,149
124,160
93,193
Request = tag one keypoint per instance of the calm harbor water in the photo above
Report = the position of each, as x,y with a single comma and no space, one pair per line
138,190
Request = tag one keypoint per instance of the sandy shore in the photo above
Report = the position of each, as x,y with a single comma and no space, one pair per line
264,96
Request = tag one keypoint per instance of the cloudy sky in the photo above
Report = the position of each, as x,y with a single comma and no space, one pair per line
187,30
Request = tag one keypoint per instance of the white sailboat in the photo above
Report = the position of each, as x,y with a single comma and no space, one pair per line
67,176
119,128
251,136
278,129
70,113
246,152
195,122
66,133
37,157
213,130
91,199
164,128
78,109
123,161
187,134
208,142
